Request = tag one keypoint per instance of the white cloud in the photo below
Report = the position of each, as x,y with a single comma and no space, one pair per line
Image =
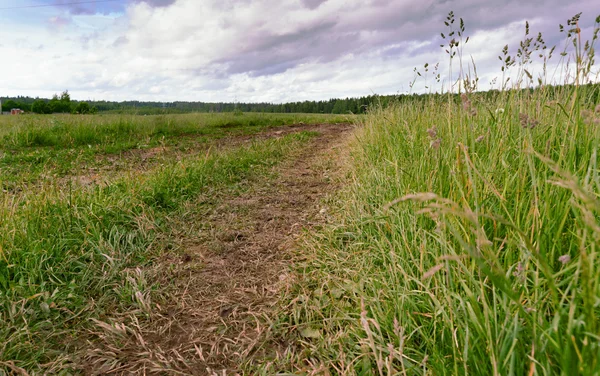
262,50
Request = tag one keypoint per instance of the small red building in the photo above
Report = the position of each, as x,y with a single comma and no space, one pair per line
16,111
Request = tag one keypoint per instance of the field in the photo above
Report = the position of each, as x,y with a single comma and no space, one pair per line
61,145
444,238
108,220
450,233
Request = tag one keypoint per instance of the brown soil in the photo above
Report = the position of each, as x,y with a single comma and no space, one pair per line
227,277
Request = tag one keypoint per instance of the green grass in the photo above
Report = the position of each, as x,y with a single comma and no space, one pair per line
476,256
72,254
44,147
83,130
467,238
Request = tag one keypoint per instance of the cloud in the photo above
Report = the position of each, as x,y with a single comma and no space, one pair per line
239,36
59,21
261,49
312,4
120,41
105,7
157,3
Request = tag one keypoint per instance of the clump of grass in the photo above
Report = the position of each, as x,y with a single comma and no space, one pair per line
466,242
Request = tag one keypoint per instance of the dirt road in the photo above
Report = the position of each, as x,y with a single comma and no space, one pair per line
228,276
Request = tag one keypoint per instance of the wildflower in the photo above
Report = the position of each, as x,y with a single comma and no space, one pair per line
480,138
519,269
523,118
435,144
499,111
467,105
519,272
564,259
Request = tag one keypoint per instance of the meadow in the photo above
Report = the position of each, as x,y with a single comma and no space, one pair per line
464,244
463,238
34,146
88,204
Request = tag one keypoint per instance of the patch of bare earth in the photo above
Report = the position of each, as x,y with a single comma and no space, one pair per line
227,278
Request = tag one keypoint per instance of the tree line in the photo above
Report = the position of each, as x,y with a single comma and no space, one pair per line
63,104
335,106
59,103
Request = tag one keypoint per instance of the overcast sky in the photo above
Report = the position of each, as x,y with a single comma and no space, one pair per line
257,50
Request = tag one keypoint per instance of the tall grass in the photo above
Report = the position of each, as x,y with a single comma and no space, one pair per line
70,255
466,243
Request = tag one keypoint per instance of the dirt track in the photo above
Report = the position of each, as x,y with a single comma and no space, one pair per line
228,277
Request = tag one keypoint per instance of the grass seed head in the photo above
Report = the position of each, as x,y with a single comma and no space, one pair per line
432,132
466,102
527,121
435,144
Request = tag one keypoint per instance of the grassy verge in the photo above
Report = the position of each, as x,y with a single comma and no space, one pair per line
72,256
466,242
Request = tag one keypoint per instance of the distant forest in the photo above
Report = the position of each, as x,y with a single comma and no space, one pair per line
61,103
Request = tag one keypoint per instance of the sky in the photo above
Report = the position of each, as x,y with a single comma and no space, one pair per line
266,50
